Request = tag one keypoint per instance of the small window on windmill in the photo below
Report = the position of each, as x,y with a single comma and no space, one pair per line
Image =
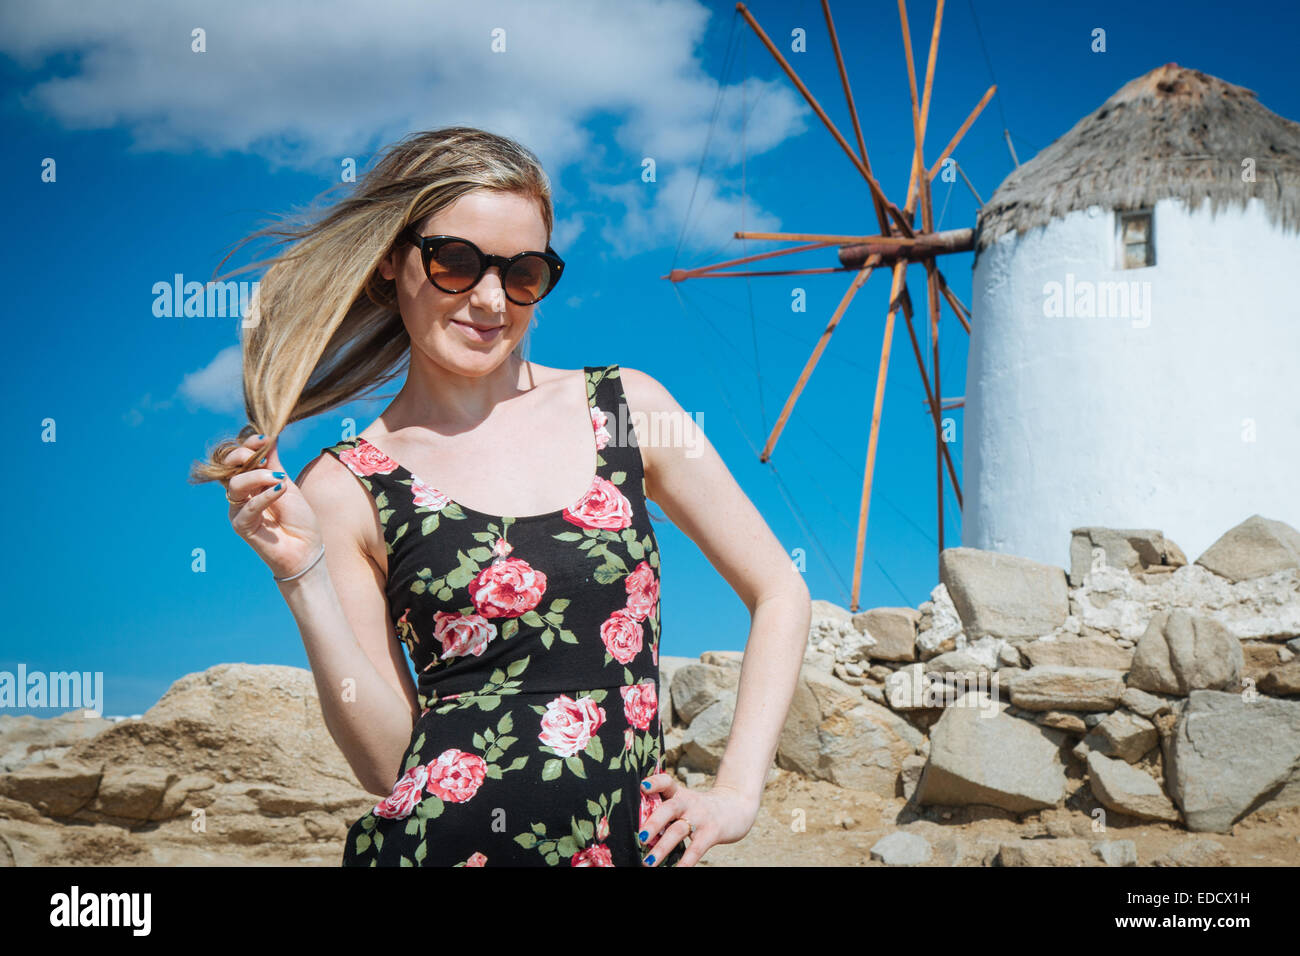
1137,248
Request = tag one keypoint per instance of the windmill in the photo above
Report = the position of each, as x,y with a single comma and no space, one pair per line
898,244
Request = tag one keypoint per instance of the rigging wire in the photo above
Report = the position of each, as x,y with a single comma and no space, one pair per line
794,509
713,121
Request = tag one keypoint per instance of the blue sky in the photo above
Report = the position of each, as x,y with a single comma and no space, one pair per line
166,156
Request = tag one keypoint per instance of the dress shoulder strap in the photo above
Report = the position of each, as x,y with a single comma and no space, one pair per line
619,458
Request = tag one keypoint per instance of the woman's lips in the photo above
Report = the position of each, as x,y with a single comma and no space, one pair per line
477,334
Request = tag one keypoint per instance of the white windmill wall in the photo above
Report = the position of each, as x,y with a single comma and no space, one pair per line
1099,421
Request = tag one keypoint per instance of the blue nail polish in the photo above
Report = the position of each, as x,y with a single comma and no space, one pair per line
650,859
261,436
643,835
278,474
645,784
276,488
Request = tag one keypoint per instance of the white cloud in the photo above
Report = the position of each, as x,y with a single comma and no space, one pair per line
654,213
307,84
218,386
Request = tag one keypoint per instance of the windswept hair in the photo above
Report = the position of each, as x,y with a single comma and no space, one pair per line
323,326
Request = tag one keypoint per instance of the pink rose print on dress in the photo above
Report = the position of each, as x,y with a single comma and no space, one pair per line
427,496
597,855
602,507
507,588
569,724
628,738
456,775
602,829
365,460
598,420
622,634
640,704
642,591
406,794
462,634
648,803
476,859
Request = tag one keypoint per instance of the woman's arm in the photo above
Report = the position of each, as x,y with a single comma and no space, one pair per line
367,696
692,485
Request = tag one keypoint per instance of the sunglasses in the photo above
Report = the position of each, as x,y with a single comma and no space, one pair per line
456,265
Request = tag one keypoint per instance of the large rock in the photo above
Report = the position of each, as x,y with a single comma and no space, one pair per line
1115,603
1227,756
939,629
1000,595
669,665
1283,680
1125,789
1088,689
56,789
1181,652
894,630
1133,550
1256,547
244,744
27,739
697,686
979,754
1122,735
1070,651
834,733
901,848
705,739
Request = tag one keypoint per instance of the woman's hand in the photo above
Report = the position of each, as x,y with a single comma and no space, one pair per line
720,815
279,525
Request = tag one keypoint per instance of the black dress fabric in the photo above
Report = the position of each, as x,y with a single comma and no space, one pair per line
535,641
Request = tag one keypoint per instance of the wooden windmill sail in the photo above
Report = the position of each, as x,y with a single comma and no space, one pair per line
898,244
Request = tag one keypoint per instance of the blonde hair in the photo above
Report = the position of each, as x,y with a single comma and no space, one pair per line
324,326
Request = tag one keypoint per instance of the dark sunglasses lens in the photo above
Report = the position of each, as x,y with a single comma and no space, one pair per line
529,279
454,267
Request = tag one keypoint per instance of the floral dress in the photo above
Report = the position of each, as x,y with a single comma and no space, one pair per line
535,641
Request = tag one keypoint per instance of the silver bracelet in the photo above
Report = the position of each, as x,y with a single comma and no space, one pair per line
313,564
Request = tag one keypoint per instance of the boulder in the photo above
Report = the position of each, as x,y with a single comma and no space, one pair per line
1068,851
1227,756
705,739
56,789
1144,704
27,739
1132,550
1001,595
1182,652
1128,790
834,733
669,665
1195,853
901,849
1068,688
1256,547
697,686
1283,680
893,630
979,754
939,628
1260,657
1085,651
1123,736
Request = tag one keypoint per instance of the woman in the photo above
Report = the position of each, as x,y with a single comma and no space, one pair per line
468,527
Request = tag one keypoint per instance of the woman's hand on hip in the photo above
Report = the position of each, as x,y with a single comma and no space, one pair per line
719,815
269,511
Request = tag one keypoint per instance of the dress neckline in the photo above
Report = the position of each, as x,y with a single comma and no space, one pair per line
591,405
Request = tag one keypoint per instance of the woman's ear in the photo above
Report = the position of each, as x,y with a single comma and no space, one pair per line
387,267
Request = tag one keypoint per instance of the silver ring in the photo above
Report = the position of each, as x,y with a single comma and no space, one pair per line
234,501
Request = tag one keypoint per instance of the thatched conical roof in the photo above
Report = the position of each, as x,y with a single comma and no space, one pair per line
1172,133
